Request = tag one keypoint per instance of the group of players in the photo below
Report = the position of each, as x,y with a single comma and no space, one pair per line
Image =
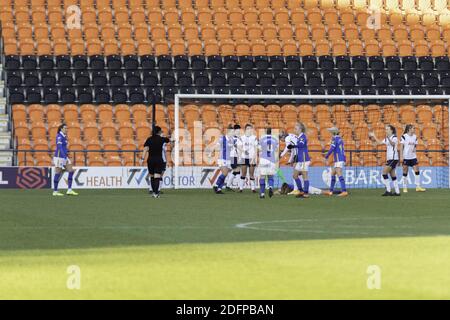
240,154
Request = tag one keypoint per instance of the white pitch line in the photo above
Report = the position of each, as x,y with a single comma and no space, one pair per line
105,227
304,229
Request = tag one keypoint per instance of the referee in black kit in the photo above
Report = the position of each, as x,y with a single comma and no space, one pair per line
154,147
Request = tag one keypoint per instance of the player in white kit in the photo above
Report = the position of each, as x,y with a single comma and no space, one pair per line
247,147
409,143
392,159
234,154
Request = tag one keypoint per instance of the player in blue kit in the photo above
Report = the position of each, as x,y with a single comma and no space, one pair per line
225,145
268,147
303,160
62,162
338,152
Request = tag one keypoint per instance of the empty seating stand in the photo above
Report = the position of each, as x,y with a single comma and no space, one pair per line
135,51
112,134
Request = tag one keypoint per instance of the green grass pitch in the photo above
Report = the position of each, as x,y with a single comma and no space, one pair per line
193,244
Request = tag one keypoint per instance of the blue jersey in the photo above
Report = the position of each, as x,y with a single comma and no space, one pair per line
337,149
269,148
61,146
225,147
302,147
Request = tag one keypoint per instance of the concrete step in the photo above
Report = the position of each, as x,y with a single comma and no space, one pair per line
5,139
6,159
4,125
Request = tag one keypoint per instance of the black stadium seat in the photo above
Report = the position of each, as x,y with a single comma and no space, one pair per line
393,63
51,95
131,62
34,94
198,63
409,63
102,95
68,95
14,78
46,63
97,62
343,63
31,78
326,62
79,62
82,78
414,79
114,62
133,78
99,78
16,95
12,62
230,63
48,78
348,79
359,63
376,63
29,62
148,62
181,62
63,62
119,94
84,95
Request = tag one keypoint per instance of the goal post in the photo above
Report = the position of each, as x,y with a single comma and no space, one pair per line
357,113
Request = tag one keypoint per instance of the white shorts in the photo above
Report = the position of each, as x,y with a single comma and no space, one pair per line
61,162
224,163
267,168
302,166
339,164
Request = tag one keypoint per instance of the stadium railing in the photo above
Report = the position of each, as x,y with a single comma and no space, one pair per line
28,154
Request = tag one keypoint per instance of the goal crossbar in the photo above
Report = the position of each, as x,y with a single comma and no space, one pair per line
178,97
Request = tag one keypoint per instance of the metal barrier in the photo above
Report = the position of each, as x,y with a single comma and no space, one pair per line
136,153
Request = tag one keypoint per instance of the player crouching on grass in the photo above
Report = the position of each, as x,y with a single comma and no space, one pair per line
268,146
392,159
62,162
154,147
337,149
225,145
409,143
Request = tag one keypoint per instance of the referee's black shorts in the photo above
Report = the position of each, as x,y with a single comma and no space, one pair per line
156,166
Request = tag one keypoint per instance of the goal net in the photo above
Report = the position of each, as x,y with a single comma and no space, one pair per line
199,120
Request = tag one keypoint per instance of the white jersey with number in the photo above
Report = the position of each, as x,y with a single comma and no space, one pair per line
291,139
409,144
248,147
391,150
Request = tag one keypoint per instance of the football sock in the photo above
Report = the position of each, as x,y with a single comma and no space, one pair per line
333,182
56,181
342,181
397,189
417,178
70,180
386,182
262,185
